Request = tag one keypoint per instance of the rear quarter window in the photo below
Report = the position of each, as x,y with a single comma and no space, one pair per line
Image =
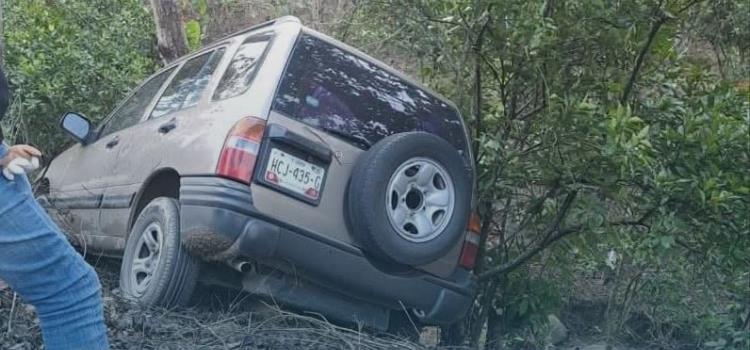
241,71
327,87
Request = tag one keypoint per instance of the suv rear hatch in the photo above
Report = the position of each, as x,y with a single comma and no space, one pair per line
332,104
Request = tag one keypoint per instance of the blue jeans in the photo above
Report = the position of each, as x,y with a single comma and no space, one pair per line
38,262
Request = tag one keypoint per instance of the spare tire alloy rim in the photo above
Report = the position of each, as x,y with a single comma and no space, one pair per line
420,199
146,258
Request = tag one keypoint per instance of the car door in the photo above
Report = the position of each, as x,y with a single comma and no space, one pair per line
108,148
77,179
157,141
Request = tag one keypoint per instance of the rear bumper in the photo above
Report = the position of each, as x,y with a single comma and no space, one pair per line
219,222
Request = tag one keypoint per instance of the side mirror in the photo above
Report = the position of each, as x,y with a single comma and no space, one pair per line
77,125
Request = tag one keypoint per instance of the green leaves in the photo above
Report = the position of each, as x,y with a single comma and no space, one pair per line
663,179
73,55
193,34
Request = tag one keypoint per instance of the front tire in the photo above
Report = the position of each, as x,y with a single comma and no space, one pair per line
156,270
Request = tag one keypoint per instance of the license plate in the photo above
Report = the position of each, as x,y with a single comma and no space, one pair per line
294,174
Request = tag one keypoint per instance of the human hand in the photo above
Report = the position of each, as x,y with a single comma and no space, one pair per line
19,160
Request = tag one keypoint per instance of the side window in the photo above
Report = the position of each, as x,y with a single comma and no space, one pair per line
330,88
131,111
187,86
241,70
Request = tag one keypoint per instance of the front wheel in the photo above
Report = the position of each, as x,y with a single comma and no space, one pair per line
156,270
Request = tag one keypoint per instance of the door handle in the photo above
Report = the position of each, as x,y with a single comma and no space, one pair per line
168,126
113,142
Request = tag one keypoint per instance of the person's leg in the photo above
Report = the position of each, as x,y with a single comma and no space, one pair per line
38,262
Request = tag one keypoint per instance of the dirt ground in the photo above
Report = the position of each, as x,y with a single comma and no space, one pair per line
219,319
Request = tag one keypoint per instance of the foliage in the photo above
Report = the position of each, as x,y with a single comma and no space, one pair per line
577,141
71,55
611,139
193,34
196,19
722,26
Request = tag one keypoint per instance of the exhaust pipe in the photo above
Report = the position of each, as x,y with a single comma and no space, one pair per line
241,266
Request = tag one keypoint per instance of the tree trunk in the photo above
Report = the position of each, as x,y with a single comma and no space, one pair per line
495,331
170,33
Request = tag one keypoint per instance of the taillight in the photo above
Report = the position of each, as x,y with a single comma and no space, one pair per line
237,159
471,243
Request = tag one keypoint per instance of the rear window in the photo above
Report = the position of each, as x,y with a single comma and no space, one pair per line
332,89
241,70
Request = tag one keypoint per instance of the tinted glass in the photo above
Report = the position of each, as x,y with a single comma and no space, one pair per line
327,87
132,110
241,70
187,86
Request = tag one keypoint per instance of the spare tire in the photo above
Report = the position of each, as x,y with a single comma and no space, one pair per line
410,198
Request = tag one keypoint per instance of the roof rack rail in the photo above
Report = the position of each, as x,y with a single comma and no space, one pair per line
261,25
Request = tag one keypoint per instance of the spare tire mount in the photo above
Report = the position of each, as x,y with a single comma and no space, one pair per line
420,199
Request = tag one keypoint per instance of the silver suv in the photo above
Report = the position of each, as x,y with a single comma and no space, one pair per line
286,163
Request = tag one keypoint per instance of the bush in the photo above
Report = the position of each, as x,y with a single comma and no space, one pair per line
74,55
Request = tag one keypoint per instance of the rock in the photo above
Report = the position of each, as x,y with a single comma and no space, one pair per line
558,333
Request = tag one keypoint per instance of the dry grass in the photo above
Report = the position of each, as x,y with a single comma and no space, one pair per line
219,319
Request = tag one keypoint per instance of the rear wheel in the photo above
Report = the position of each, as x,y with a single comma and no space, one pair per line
156,270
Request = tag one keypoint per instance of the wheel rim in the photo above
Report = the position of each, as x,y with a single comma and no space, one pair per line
420,199
146,258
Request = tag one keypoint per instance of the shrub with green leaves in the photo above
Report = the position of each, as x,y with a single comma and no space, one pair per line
598,129
72,55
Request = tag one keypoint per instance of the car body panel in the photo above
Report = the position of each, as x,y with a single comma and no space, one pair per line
328,217
109,179
146,148
77,183
112,180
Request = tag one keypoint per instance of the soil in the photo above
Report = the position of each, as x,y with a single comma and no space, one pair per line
218,319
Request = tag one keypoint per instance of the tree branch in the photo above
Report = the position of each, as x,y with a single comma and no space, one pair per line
477,48
689,5
662,17
483,236
520,260
552,234
639,222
